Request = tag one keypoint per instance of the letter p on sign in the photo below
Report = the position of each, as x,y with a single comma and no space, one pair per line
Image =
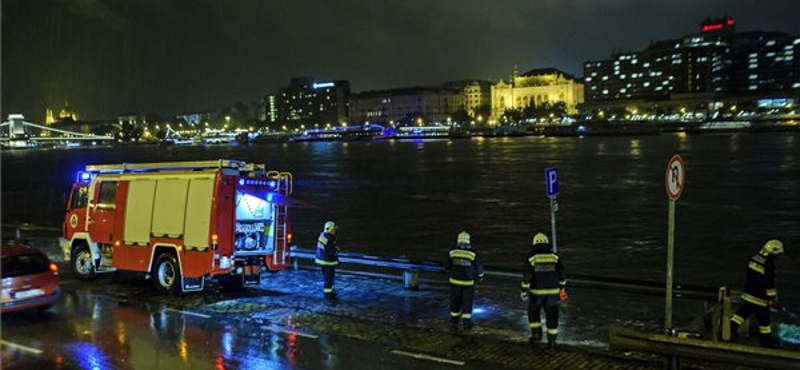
551,180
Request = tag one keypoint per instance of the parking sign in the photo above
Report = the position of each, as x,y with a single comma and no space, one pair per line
551,180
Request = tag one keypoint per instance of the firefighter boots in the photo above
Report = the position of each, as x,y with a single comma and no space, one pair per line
467,323
536,336
551,340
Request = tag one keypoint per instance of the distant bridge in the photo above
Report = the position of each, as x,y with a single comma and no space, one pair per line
18,133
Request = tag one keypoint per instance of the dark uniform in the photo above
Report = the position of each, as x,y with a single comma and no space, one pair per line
759,293
543,279
465,267
327,259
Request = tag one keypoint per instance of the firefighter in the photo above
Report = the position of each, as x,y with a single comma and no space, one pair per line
543,287
759,291
464,267
328,257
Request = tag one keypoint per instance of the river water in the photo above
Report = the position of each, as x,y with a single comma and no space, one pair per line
411,198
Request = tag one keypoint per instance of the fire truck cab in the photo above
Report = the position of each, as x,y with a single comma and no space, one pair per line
179,222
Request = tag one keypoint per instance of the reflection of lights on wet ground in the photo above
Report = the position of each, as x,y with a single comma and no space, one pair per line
789,333
88,356
227,343
184,349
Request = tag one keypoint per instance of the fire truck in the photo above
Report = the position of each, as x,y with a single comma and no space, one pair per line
179,222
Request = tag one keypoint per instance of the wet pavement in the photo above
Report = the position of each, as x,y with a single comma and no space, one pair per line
119,322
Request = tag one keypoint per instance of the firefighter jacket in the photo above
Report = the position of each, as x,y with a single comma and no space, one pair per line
759,288
464,266
327,252
543,273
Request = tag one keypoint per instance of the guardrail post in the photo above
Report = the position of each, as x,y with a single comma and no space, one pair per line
411,279
725,294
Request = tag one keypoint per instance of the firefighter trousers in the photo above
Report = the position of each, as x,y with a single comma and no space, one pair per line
461,301
762,315
328,273
550,305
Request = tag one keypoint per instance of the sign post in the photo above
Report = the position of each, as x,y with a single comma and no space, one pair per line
551,182
674,180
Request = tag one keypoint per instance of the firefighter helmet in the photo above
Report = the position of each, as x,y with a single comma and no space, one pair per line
540,238
773,246
463,238
330,226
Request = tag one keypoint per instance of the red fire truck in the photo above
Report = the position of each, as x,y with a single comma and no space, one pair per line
179,222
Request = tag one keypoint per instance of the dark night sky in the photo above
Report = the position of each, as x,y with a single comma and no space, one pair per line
167,56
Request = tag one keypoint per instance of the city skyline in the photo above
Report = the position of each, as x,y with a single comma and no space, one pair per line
162,71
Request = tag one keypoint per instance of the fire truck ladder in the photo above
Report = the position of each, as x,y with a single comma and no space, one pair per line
169,166
281,214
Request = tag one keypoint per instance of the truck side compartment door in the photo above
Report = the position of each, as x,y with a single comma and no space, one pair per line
136,247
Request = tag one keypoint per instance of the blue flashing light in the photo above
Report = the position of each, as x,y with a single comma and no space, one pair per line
83,177
258,182
581,128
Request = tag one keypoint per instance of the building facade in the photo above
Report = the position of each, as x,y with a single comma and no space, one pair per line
696,70
535,87
476,95
309,102
406,105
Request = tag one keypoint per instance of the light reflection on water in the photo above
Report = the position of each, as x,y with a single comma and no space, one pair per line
411,198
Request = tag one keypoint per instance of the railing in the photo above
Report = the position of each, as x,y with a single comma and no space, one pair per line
413,267
677,346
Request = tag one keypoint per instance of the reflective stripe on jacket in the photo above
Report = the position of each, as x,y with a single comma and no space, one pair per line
464,266
543,273
327,255
759,287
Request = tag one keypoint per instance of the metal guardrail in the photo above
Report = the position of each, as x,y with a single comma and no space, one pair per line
616,284
624,338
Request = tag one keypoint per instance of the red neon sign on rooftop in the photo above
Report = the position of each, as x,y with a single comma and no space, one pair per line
717,26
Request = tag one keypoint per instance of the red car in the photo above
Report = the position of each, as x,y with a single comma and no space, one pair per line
30,280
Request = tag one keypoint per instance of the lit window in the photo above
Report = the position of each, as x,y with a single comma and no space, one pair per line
753,77
770,42
753,87
605,78
646,65
646,84
752,66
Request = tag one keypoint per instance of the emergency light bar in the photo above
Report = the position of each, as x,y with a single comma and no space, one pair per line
258,182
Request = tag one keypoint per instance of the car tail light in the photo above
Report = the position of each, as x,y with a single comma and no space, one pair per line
289,237
54,268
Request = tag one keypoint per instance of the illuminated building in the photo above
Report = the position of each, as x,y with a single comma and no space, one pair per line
67,113
418,105
535,87
476,95
708,69
49,119
306,101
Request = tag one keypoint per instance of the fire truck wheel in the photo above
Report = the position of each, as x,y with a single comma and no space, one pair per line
167,274
82,263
